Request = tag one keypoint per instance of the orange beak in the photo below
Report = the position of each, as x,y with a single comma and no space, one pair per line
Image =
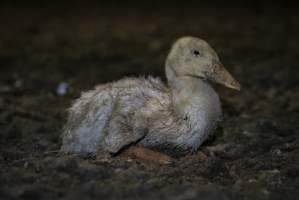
223,77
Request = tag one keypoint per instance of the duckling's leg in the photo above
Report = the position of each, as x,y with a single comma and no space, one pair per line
148,155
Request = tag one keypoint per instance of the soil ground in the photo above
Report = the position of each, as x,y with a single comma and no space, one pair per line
254,153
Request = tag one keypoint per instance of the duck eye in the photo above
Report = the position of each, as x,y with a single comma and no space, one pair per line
195,52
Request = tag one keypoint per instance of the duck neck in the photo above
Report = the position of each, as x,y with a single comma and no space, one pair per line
190,91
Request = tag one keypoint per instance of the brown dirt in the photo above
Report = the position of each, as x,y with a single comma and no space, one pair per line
255,150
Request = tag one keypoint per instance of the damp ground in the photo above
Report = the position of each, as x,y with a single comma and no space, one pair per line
43,47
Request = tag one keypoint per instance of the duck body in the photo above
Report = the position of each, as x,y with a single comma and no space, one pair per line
184,118
148,113
142,111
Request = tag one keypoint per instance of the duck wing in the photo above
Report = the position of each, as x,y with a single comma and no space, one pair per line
107,117
87,119
127,124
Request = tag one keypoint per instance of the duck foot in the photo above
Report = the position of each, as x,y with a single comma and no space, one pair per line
148,155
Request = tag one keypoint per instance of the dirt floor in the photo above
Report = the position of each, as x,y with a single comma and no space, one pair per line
255,152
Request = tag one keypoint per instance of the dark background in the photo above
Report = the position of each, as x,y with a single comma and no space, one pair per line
254,154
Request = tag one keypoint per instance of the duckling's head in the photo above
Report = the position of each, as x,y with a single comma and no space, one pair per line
194,57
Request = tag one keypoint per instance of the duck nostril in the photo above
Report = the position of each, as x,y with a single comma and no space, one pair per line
214,68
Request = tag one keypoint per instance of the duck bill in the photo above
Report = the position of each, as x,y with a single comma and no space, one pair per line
223,77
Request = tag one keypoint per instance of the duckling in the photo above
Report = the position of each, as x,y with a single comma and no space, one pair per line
145,112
